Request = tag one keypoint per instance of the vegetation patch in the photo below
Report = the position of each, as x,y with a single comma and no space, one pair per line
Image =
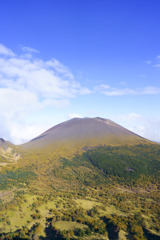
16,178
86,204
126,162
64,225
106,192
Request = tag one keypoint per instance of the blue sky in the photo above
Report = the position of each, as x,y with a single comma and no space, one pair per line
87,58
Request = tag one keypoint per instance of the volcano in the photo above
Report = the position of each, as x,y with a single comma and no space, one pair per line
82,132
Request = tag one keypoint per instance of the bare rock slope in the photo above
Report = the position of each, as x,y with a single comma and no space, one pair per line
85,132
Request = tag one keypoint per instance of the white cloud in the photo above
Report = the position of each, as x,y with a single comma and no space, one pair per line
60,68
30,50
15,103
32,84
144,126
85,91
22,133
37,76
151,90
6,51
74,115
104,86
110,91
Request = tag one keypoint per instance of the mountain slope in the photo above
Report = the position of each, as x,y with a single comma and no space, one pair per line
5,144
8,153
84,150
85,132
87,173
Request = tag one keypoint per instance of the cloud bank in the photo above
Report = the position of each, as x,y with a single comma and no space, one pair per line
29,84
143,126
110,91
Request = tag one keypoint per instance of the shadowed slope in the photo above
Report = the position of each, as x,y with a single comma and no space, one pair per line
85,132
5,144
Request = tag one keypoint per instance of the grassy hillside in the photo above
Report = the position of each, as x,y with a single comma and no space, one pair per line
110,212
103,192
126,162
53,189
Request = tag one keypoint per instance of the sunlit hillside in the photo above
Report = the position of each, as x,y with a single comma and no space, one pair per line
82,179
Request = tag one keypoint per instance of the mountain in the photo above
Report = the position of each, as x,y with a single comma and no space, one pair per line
81,132
8,153
5,144
95,142
82,179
